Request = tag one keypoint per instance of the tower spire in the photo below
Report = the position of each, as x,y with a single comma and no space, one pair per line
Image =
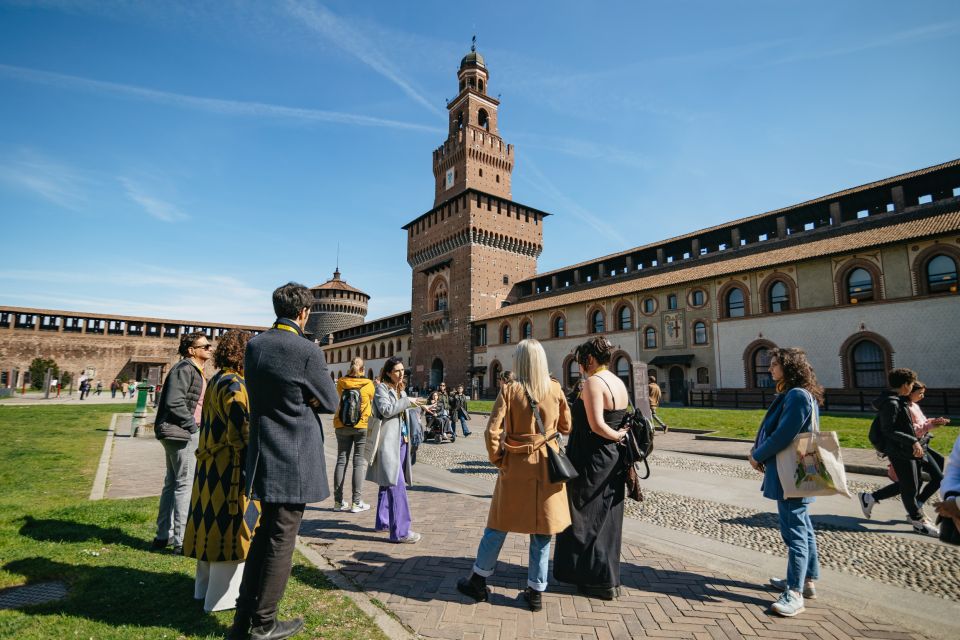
473,43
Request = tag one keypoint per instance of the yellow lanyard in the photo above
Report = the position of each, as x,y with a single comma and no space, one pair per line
286,328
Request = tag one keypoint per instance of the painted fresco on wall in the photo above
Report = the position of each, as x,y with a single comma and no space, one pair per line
673,333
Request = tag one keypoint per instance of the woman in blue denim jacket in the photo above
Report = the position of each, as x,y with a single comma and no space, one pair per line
793,411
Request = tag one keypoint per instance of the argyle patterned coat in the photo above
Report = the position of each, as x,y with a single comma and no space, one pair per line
221,519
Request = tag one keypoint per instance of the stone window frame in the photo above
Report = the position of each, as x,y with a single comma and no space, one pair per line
656,339
676,300
846,355
705,378
767,285
656,305
494,369
841,292
558,315
614,358
505,332
922,259
568,381
706,297
591,328
706,332
525,320
749,356
725,291
618,309
438,282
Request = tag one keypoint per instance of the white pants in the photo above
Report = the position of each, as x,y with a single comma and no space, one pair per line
218,584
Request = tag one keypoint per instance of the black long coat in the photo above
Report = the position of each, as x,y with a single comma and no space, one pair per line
285,460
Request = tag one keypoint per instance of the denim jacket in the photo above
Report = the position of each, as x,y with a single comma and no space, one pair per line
789,415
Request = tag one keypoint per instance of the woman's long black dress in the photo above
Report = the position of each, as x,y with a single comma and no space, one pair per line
588,551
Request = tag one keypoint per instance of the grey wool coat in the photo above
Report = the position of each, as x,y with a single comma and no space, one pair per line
283,371
383,440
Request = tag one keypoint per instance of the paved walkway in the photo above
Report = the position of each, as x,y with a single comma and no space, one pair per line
677,583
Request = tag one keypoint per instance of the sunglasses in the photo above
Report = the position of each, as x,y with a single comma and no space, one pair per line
205,347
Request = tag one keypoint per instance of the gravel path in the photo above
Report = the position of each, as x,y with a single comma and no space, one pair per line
915,564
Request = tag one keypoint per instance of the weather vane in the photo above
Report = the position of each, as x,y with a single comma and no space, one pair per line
473,44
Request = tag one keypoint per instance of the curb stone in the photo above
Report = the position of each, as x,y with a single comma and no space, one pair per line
100,480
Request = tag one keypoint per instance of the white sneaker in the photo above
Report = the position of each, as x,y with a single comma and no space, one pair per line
866,504
925,527
809,588
789,604
340,506
358,507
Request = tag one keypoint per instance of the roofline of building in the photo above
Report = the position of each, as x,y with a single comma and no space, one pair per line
740,221
104,316
471,191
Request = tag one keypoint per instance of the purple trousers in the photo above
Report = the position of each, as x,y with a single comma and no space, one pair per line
393,512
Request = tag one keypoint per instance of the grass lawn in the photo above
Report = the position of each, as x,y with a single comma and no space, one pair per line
480,405
117,588
742,423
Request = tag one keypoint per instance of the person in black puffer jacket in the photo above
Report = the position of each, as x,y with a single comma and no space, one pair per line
176,428
902,448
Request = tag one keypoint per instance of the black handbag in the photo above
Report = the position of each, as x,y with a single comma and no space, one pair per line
559,467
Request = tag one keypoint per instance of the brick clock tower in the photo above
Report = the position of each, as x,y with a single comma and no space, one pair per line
468,250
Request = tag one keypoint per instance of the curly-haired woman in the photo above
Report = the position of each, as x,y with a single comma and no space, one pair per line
794,410
221,520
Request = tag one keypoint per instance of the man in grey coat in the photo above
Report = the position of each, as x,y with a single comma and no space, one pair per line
288,385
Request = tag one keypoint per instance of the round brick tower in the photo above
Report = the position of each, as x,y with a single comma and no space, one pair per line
336,306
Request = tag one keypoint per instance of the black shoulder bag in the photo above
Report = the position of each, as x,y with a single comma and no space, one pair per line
559,467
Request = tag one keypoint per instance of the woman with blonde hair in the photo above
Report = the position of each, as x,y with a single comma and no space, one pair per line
350,426
524,500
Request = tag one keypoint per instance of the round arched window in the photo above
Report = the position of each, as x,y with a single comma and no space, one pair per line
559,327
505,334
573,373
761,369
869,365
699,333
596,322
526,330
735,303
622,369
779,297
941,274
625,318
650,338
698,298
859,286
649,305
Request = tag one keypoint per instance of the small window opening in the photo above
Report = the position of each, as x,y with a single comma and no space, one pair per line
863,213
927,199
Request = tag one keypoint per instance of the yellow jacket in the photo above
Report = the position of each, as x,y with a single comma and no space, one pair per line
365,385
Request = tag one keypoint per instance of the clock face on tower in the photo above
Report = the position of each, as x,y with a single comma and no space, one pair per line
451,173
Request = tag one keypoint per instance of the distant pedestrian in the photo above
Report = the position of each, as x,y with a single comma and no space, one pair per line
132,388
176,426
99,387
84,387
222,518
123,389
458,411
525,420
389,454
289,385
356,399
114,385
654,394
794,410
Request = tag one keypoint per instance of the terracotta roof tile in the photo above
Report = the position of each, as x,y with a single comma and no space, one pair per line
933,225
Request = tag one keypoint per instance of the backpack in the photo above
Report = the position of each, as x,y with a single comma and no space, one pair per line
639,439
349,409
876,435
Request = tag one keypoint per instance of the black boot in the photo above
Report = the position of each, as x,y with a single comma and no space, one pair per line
475,586
240,629
534,598
277,630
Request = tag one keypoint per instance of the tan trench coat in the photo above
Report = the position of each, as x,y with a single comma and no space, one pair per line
525,501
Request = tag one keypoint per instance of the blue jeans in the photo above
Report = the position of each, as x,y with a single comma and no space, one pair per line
463,426
796,529
537,564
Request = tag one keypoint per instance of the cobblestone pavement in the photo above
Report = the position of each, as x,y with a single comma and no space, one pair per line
912,563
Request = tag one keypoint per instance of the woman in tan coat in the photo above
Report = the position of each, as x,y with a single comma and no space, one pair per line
524,501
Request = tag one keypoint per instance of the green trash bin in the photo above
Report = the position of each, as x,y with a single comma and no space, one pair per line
140,412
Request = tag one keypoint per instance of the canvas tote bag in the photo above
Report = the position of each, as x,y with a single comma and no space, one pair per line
812,465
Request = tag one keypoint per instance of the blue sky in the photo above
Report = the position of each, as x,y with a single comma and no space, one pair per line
183,159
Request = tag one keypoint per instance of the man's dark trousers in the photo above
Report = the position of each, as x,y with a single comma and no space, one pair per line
268,562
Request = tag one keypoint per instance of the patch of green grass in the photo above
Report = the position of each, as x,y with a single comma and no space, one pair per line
118,589
742,423
480,405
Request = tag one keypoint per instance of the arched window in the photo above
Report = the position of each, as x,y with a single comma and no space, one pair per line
735,304
526,330
941,274
699,332
597,322
760,369
440,296
672,301
649,305
390,349
505,334
698,297
778,297
703,375
625,318
573,373
559,327
859,286
868,365
332,376
495,371
364,352
483,119
650,338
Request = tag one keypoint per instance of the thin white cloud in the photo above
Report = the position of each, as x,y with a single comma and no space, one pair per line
548,188
584,149
157,208
209,105
354,42
54,182
925,32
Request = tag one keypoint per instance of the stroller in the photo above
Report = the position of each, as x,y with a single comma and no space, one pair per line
439,425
